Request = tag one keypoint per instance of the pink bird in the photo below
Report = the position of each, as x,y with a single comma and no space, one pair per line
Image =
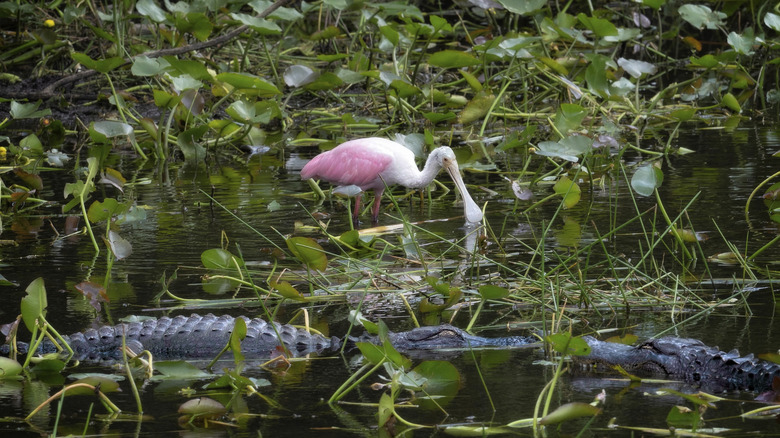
372,163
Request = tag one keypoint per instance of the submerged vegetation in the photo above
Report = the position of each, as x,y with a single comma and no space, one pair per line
546,104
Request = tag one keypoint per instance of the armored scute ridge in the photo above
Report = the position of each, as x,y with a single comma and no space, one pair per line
203,337
688,360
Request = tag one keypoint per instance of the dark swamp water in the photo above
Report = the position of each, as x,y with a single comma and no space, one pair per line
725,167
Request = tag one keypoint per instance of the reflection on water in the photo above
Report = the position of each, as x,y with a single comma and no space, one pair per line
181,223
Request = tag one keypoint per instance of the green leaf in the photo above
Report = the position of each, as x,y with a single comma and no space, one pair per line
9,368
192,68
180,369
34,303
309,252
570,411
435,118
569,148
477,108
102,211
325,81
202,407
599,26
151,10
772,20
646,179
286,290
119,246
236,336
111,128
28,110
569,190
196,23
490,292
701,16
522,7
569,117
193,151
564,343
102,66
145,66
249,84
218,258
106,385
731,102
452,59
259,25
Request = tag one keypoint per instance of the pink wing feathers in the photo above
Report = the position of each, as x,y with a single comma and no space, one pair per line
352,162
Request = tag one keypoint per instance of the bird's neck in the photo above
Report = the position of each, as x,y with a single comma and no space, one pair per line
428,173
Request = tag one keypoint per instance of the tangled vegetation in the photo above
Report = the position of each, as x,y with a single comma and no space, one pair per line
569,96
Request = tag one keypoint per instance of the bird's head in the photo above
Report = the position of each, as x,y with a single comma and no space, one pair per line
445,157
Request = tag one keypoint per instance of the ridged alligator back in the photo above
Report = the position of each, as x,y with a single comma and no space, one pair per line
689,360
194,337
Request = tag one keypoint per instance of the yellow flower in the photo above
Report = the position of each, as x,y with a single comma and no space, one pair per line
49,23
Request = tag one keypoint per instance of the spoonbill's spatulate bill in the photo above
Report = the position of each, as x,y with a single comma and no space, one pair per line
370,163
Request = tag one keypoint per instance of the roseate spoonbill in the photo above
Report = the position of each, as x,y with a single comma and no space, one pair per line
372,163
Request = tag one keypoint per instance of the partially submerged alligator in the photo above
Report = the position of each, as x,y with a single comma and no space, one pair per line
688,360
203,337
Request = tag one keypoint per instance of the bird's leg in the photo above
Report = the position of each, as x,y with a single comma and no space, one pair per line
357,210
375,210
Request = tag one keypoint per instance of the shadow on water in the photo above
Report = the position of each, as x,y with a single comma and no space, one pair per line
181,224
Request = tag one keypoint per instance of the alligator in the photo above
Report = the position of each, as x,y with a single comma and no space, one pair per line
688,360
203,337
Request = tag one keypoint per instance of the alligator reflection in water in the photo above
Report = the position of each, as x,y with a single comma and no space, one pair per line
688,360
202,337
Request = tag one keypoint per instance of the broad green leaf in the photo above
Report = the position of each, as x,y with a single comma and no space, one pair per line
34,303
194,69
701,16
600,27
180,369
772,20
151,10
570,411
569,117
596,75
218,258
627,339
196,23
357,318
299,75
249,84
731,102
28,110
9,368
259,25
564,343
480,431
326,81
742,44
646,179
111,128
145,66
569,190
522,7
491,292
477,108
202,407
282,13
102,65
309,252
33,181
119,246
435,118
106,385
193,151
684,114
569,148
102,210
236,336
681,417
287,290
452,59
385,410
636,68
439,376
